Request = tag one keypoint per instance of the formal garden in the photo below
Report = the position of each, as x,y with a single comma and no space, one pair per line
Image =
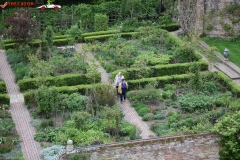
170,86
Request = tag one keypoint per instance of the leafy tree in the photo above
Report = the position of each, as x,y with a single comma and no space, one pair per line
21,27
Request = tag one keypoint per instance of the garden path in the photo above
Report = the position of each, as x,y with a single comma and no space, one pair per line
224,65
20,115
130,114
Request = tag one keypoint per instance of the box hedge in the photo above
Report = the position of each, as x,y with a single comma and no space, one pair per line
170,27
159,70
3,88
36,43
63,80
89,34
4,99
103,37
29,97
229,83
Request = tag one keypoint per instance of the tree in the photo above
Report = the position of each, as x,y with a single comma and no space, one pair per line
21,27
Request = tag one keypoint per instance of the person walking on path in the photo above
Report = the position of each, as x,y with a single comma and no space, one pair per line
118,80
122,90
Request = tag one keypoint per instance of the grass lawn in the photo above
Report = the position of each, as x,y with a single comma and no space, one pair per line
234,48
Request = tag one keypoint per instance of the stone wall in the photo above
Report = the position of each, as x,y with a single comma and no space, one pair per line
187,147
213,13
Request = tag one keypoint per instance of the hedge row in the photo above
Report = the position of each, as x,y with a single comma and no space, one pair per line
103,37
4,99
29,97
3,88
159,70
229,83
63,80
7,41
161,81
89,34
36,43
170,27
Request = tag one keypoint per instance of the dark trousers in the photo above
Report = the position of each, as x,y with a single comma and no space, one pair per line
117,90
123,95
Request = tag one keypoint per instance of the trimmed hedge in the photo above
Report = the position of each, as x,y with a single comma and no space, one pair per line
229,83
99,33
29,97
4,99
103,37
160,70
63,80
3,88
161,81
170,27
36,43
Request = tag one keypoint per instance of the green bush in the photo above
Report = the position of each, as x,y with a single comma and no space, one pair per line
63,80
100,22
4,99
3,88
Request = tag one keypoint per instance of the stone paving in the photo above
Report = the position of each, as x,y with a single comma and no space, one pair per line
130,114
20,115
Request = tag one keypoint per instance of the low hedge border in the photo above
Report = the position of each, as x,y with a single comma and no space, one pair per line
63,80
7,41
4,99
160,70
36,43
229,83
29,97
170,27
105,36
3,88
99,33
161,81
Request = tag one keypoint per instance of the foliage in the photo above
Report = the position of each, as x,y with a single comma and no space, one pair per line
100,22
228,129
75,32
72,102
21,27
184,53
50,153
196,79
48,36
46,99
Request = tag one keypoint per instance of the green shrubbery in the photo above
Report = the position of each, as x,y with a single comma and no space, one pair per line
58,81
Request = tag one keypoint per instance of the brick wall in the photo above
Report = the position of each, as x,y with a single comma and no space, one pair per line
187,147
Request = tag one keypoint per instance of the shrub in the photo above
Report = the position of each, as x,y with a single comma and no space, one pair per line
50,153
100,22
4,99
159,116
3,88
14,58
